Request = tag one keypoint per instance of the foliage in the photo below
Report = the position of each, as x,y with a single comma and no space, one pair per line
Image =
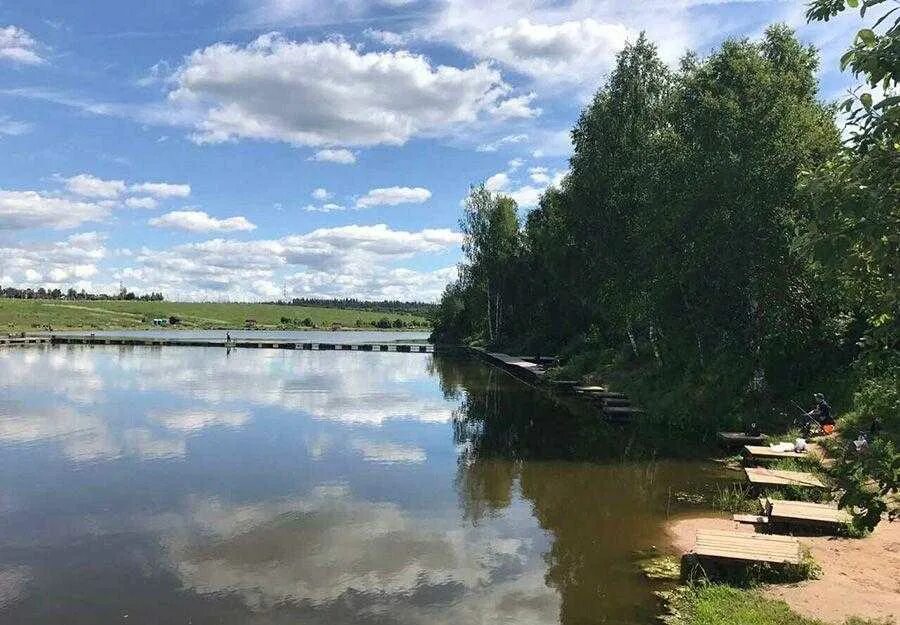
868,482
715,604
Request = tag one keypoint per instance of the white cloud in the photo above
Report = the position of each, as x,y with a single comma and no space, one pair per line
30,209
497,182
198,419
87,185
327,93
161,190
321,194
18,46
199,221
560,52
386,37
329,207
329,155
388,453
493,146
141,202
538,175
392,196
13,128
344,261
518,107
75,258
525,195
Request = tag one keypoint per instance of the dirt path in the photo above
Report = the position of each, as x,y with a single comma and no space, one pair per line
859,577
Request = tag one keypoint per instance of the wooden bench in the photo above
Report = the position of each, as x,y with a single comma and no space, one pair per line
746,547
763,452
806,513
773,477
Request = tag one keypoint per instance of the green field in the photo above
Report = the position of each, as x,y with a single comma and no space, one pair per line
20,315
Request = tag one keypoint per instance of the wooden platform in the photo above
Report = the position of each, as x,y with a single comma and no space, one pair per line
773,477
763,452
739,438
805,513
747,547
24,340
95,339
752,519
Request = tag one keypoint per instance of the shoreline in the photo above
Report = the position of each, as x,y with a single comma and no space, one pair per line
858,579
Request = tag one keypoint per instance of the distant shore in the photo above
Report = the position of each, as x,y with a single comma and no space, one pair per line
38,315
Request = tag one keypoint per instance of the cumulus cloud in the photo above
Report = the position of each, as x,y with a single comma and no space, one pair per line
87,185
321,194
392,196
329,92
141,202
18,46
329,155
74,258
30,209
161,190
559,52
525,194
343,261
199,221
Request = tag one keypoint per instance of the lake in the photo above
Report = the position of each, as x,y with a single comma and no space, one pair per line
191,485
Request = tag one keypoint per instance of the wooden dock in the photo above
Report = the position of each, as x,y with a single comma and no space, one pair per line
763,452
746,547
235,343
806,513
26,340
773,477
740,439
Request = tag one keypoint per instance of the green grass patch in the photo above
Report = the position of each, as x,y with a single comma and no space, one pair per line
18,315
716,604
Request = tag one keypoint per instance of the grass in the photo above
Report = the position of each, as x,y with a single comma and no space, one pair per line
716,604
18,315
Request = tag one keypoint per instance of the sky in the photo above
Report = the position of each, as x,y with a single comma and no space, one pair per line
229,150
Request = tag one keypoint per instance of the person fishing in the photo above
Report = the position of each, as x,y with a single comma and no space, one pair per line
228,337
821,413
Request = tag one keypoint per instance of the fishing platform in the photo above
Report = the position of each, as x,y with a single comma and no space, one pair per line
746,547
235,343
773,477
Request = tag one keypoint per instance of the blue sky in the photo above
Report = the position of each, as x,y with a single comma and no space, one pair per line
231,149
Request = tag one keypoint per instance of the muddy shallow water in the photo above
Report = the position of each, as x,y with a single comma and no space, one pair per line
188,485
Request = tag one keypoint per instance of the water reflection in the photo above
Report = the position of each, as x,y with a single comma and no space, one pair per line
267,486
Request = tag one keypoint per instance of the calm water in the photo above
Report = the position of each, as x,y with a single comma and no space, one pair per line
183,485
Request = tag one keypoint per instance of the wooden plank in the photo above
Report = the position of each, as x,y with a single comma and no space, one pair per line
773,477
801,512
740,438
747,547
753,519
762,451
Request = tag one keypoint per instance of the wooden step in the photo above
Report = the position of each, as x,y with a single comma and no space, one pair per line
747,547
773,477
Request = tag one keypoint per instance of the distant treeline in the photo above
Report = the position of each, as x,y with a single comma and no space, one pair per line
56,293
394,307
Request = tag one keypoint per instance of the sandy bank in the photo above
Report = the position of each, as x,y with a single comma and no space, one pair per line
859,577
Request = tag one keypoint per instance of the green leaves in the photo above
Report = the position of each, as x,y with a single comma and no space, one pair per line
867,36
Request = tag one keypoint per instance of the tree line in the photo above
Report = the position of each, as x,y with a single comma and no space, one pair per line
395,307
11,292
717,234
